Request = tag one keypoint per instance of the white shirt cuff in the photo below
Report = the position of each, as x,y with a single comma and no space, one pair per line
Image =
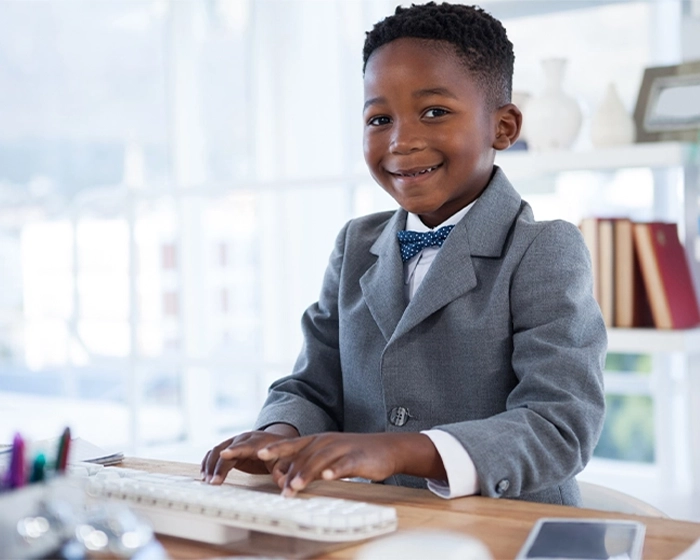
462,479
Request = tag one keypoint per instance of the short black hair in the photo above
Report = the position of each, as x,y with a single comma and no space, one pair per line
479,40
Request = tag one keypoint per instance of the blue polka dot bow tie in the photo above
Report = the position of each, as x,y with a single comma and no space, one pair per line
413,242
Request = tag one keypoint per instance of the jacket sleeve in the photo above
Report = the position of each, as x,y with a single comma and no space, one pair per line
311,398
554,414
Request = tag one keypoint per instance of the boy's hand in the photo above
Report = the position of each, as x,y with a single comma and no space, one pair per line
331,456
241,452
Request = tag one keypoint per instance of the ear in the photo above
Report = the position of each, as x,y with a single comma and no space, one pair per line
509,120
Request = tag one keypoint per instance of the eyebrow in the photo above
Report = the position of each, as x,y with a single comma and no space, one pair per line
434,91
429,92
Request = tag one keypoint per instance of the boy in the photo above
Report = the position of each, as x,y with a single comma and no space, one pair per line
468,353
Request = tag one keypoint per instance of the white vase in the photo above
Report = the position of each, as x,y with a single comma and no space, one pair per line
553,117
611,124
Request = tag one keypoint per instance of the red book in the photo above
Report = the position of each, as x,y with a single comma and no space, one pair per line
666,276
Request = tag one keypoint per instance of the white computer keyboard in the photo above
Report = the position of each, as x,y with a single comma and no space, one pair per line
185,507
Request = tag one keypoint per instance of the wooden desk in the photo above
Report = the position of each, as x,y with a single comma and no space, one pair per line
502,525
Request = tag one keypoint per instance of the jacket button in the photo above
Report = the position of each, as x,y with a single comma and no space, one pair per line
502,486
399,416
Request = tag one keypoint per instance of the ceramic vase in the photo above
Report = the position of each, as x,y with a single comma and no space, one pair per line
611,124
553,117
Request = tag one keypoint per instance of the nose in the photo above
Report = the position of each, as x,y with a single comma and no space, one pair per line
406,138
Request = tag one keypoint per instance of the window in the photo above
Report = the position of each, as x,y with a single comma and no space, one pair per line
173,176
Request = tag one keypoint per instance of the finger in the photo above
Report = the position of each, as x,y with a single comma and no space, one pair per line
287,492
221,469
242,454
244,445
290,490
344,467
292,483
239,450
296,484
310,464
231,457
278,470
280,475
283,448
213,456
203,468
357,464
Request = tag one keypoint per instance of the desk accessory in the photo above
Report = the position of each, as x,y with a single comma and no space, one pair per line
445,545
583,539
80,451
43,508
63,451
185,507
36,520
14,476
36,505
245,520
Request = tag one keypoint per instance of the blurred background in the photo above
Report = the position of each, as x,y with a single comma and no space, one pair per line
173,174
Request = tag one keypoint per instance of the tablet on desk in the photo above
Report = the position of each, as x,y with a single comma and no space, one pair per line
584,539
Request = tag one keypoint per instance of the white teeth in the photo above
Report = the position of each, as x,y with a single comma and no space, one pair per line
419,173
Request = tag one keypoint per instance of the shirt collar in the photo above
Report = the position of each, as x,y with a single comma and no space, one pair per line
414,223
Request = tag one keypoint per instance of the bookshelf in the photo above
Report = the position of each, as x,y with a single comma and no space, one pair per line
528,165
524,165
674,384
649,341
675,381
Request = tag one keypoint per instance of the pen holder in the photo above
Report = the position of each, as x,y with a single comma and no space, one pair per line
36,520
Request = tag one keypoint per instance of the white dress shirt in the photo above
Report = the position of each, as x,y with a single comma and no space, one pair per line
462,479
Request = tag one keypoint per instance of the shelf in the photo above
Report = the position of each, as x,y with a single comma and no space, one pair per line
525,164
507,9
646,341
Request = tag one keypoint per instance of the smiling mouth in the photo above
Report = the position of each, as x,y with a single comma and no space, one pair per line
415,172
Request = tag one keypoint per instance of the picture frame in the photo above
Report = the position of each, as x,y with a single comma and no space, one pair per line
668,104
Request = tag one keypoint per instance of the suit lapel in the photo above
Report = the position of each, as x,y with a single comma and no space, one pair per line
383,283
450,276
483,232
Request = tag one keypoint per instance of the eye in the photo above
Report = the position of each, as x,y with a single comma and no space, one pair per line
378,121
436,112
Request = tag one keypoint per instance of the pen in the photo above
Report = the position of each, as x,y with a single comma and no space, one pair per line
38,469
16,472
63,450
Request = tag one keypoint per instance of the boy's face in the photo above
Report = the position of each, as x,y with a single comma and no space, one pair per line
430,136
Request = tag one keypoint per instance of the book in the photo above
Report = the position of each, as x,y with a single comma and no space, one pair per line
606,270
631,302
589,231
666,276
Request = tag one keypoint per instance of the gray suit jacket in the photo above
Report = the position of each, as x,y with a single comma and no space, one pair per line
502,346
